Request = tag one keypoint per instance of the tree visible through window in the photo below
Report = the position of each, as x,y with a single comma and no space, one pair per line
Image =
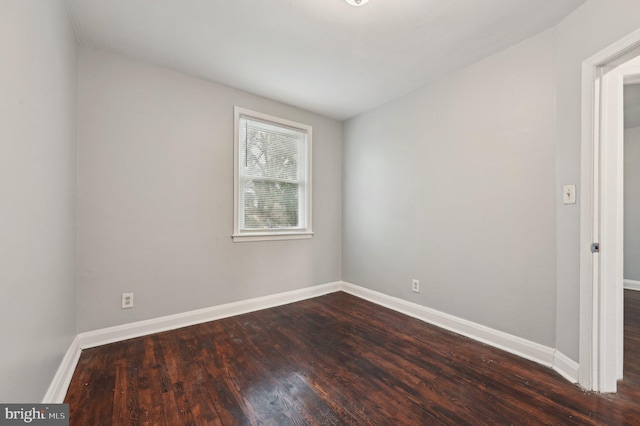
273,188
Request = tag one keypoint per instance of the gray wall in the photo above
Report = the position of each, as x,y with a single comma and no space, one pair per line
37,193
632,204
454,185
590,29
156,196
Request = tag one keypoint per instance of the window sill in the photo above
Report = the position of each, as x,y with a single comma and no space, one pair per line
245,237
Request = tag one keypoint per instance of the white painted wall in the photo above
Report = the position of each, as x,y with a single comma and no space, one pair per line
591,28
454,185
156,196
37,193
632,204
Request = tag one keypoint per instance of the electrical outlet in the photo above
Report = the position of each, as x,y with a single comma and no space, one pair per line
127,300
415,286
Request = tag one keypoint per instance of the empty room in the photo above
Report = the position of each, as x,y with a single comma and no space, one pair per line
320,212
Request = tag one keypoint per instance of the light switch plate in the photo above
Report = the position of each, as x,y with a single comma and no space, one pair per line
569,194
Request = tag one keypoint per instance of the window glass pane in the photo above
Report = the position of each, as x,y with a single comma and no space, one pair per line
270,154
270,204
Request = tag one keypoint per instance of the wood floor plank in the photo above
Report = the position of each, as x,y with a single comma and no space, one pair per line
335,360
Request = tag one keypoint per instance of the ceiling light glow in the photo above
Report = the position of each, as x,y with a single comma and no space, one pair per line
356,2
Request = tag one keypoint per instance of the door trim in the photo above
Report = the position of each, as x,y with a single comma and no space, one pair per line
601,307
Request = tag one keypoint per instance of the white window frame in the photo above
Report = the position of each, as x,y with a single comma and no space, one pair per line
302,232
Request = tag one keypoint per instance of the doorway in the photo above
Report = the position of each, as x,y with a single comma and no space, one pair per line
601,252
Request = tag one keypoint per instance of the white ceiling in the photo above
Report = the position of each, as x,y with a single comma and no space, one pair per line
321,55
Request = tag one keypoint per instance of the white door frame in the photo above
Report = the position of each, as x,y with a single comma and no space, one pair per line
601,215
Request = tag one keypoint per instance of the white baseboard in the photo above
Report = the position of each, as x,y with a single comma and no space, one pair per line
632,285
536,352
541,354
118,333
566,367
60,383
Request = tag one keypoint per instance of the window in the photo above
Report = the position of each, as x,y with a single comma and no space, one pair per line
272,178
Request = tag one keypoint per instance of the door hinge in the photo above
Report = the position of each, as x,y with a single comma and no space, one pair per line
595,248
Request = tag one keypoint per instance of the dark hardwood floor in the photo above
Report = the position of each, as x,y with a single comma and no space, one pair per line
335,360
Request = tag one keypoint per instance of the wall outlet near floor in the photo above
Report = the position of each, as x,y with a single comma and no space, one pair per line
415,286
127,300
